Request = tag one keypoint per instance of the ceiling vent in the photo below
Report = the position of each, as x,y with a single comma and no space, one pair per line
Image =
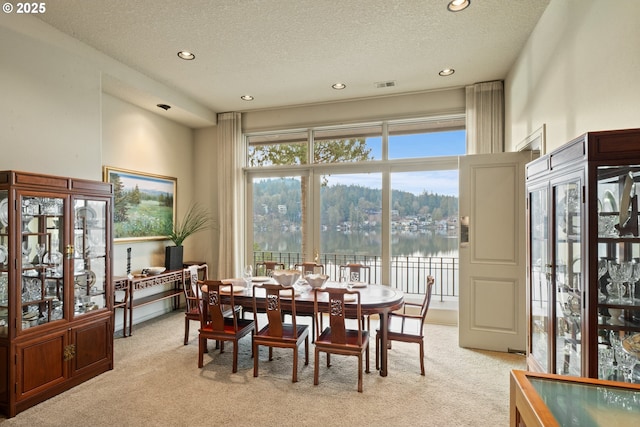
381,85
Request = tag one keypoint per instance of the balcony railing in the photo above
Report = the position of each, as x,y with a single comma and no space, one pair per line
408,273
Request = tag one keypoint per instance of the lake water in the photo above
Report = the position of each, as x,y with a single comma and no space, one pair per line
426,243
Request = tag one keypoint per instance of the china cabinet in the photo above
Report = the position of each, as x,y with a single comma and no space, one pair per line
56,321
583,304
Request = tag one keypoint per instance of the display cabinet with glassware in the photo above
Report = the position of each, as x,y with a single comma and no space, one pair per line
583,263
56,319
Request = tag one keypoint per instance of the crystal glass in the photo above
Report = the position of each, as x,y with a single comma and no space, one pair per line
26,219
626,364
41,248
635,276
247,274
605,362
619,272
602,270
26,251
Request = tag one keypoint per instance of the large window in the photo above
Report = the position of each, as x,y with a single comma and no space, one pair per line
382,194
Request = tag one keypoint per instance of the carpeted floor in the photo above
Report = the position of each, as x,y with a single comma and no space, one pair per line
156,382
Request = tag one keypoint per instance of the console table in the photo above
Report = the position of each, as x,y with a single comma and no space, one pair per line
129,286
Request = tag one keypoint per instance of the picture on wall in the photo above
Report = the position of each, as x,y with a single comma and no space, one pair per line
144,205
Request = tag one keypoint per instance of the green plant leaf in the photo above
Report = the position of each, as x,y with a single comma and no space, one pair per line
196,219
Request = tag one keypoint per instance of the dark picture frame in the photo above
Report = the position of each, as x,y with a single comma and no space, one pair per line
144,206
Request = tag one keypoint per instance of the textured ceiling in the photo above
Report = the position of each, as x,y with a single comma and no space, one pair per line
290,52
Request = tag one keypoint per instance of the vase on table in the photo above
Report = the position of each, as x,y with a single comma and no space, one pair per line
173,256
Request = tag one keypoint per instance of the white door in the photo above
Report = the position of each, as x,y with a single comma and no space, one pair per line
492,251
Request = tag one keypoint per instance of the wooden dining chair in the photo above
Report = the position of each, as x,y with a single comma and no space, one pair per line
276,333
336,338
214,325
268,267
355,272
309,268
190,277
408,327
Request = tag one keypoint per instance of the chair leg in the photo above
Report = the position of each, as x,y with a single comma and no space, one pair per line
270,354
378,350
202,342
186,330
421,358
255,360
315,367
360,373
306,350
367,356
294,378
235,357
328,360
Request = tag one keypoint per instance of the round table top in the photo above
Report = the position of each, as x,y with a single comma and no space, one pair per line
373,298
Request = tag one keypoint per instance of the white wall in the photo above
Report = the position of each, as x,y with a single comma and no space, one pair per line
423,104
49,108
56,119
578,72
138,140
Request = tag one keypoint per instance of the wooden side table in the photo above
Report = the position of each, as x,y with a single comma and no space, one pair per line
121,284
173,277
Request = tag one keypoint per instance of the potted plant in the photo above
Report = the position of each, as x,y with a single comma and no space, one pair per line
196,219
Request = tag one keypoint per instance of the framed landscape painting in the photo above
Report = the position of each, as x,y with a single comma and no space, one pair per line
144,205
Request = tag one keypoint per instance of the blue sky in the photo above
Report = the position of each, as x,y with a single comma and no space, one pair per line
407,146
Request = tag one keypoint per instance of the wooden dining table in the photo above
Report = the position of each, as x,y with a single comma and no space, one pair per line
374,300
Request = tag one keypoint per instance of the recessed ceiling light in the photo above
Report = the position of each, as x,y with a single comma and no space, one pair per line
338,86
447,72
186,55
458,5
246,98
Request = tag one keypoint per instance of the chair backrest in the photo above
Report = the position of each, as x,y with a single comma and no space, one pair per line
337,311
356,272
269,266
190,277
310,268
272,306
213,308
427,297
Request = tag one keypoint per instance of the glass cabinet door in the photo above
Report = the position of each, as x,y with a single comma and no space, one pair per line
90,257
4,263
568,283
539,276
41,263
618,273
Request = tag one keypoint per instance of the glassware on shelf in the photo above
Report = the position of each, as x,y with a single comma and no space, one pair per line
620,272
26,251
607,225
605,362
626,364
41,249
615,314
26,219
635,276
602,270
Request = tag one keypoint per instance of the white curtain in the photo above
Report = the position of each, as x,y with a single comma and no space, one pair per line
485,118
231,195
